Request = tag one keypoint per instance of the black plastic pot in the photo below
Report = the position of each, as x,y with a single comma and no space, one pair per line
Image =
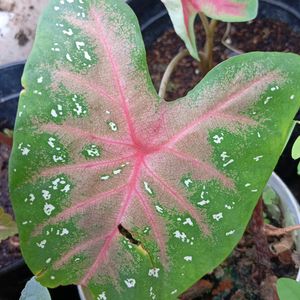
154,21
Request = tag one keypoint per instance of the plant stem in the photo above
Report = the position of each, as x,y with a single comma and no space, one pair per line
275,231
4,139
172,65
210,29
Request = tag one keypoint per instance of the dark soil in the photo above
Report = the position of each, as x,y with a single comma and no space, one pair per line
9,248
240,276
258,35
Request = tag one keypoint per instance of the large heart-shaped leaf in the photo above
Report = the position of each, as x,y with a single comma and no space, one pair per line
183,13
118,190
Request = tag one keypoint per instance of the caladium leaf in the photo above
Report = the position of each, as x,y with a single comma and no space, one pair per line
120,191
8,226
183,13
288,288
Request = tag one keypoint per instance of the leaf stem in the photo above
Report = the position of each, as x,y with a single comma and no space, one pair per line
4,139
275,231
206,62
172,65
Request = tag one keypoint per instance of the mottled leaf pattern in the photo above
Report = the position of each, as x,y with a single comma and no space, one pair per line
117,189
183,14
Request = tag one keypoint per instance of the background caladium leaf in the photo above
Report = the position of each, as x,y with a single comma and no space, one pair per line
35,291
8,226
183,13
118,190
288,288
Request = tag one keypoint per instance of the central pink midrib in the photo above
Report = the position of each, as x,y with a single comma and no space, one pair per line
116,75
124,207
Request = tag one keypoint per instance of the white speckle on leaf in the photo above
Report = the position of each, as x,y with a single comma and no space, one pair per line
78,109
147,188
102,296
113,126
292,97
274,88
63,232
57,158
188,258
218,216
188,182
37,92
46,195
52,277
79,44
70,1
151,293
254,190
54,113
69,57
117,171
228,207
56,8
105,177
224,156
24,150
180,235
267,100
188,221
66,189
203,202
159,209
68,32
231,232
51,141
218,139
257,158
30,198
258,134
40,79
173,292
48,208
87,56
41,244
247,184
130,282
153,272
48,260
93,151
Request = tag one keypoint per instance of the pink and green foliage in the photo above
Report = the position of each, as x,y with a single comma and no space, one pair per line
183,13
96,148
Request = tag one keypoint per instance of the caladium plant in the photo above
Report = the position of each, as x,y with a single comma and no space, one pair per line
183,13
120,191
